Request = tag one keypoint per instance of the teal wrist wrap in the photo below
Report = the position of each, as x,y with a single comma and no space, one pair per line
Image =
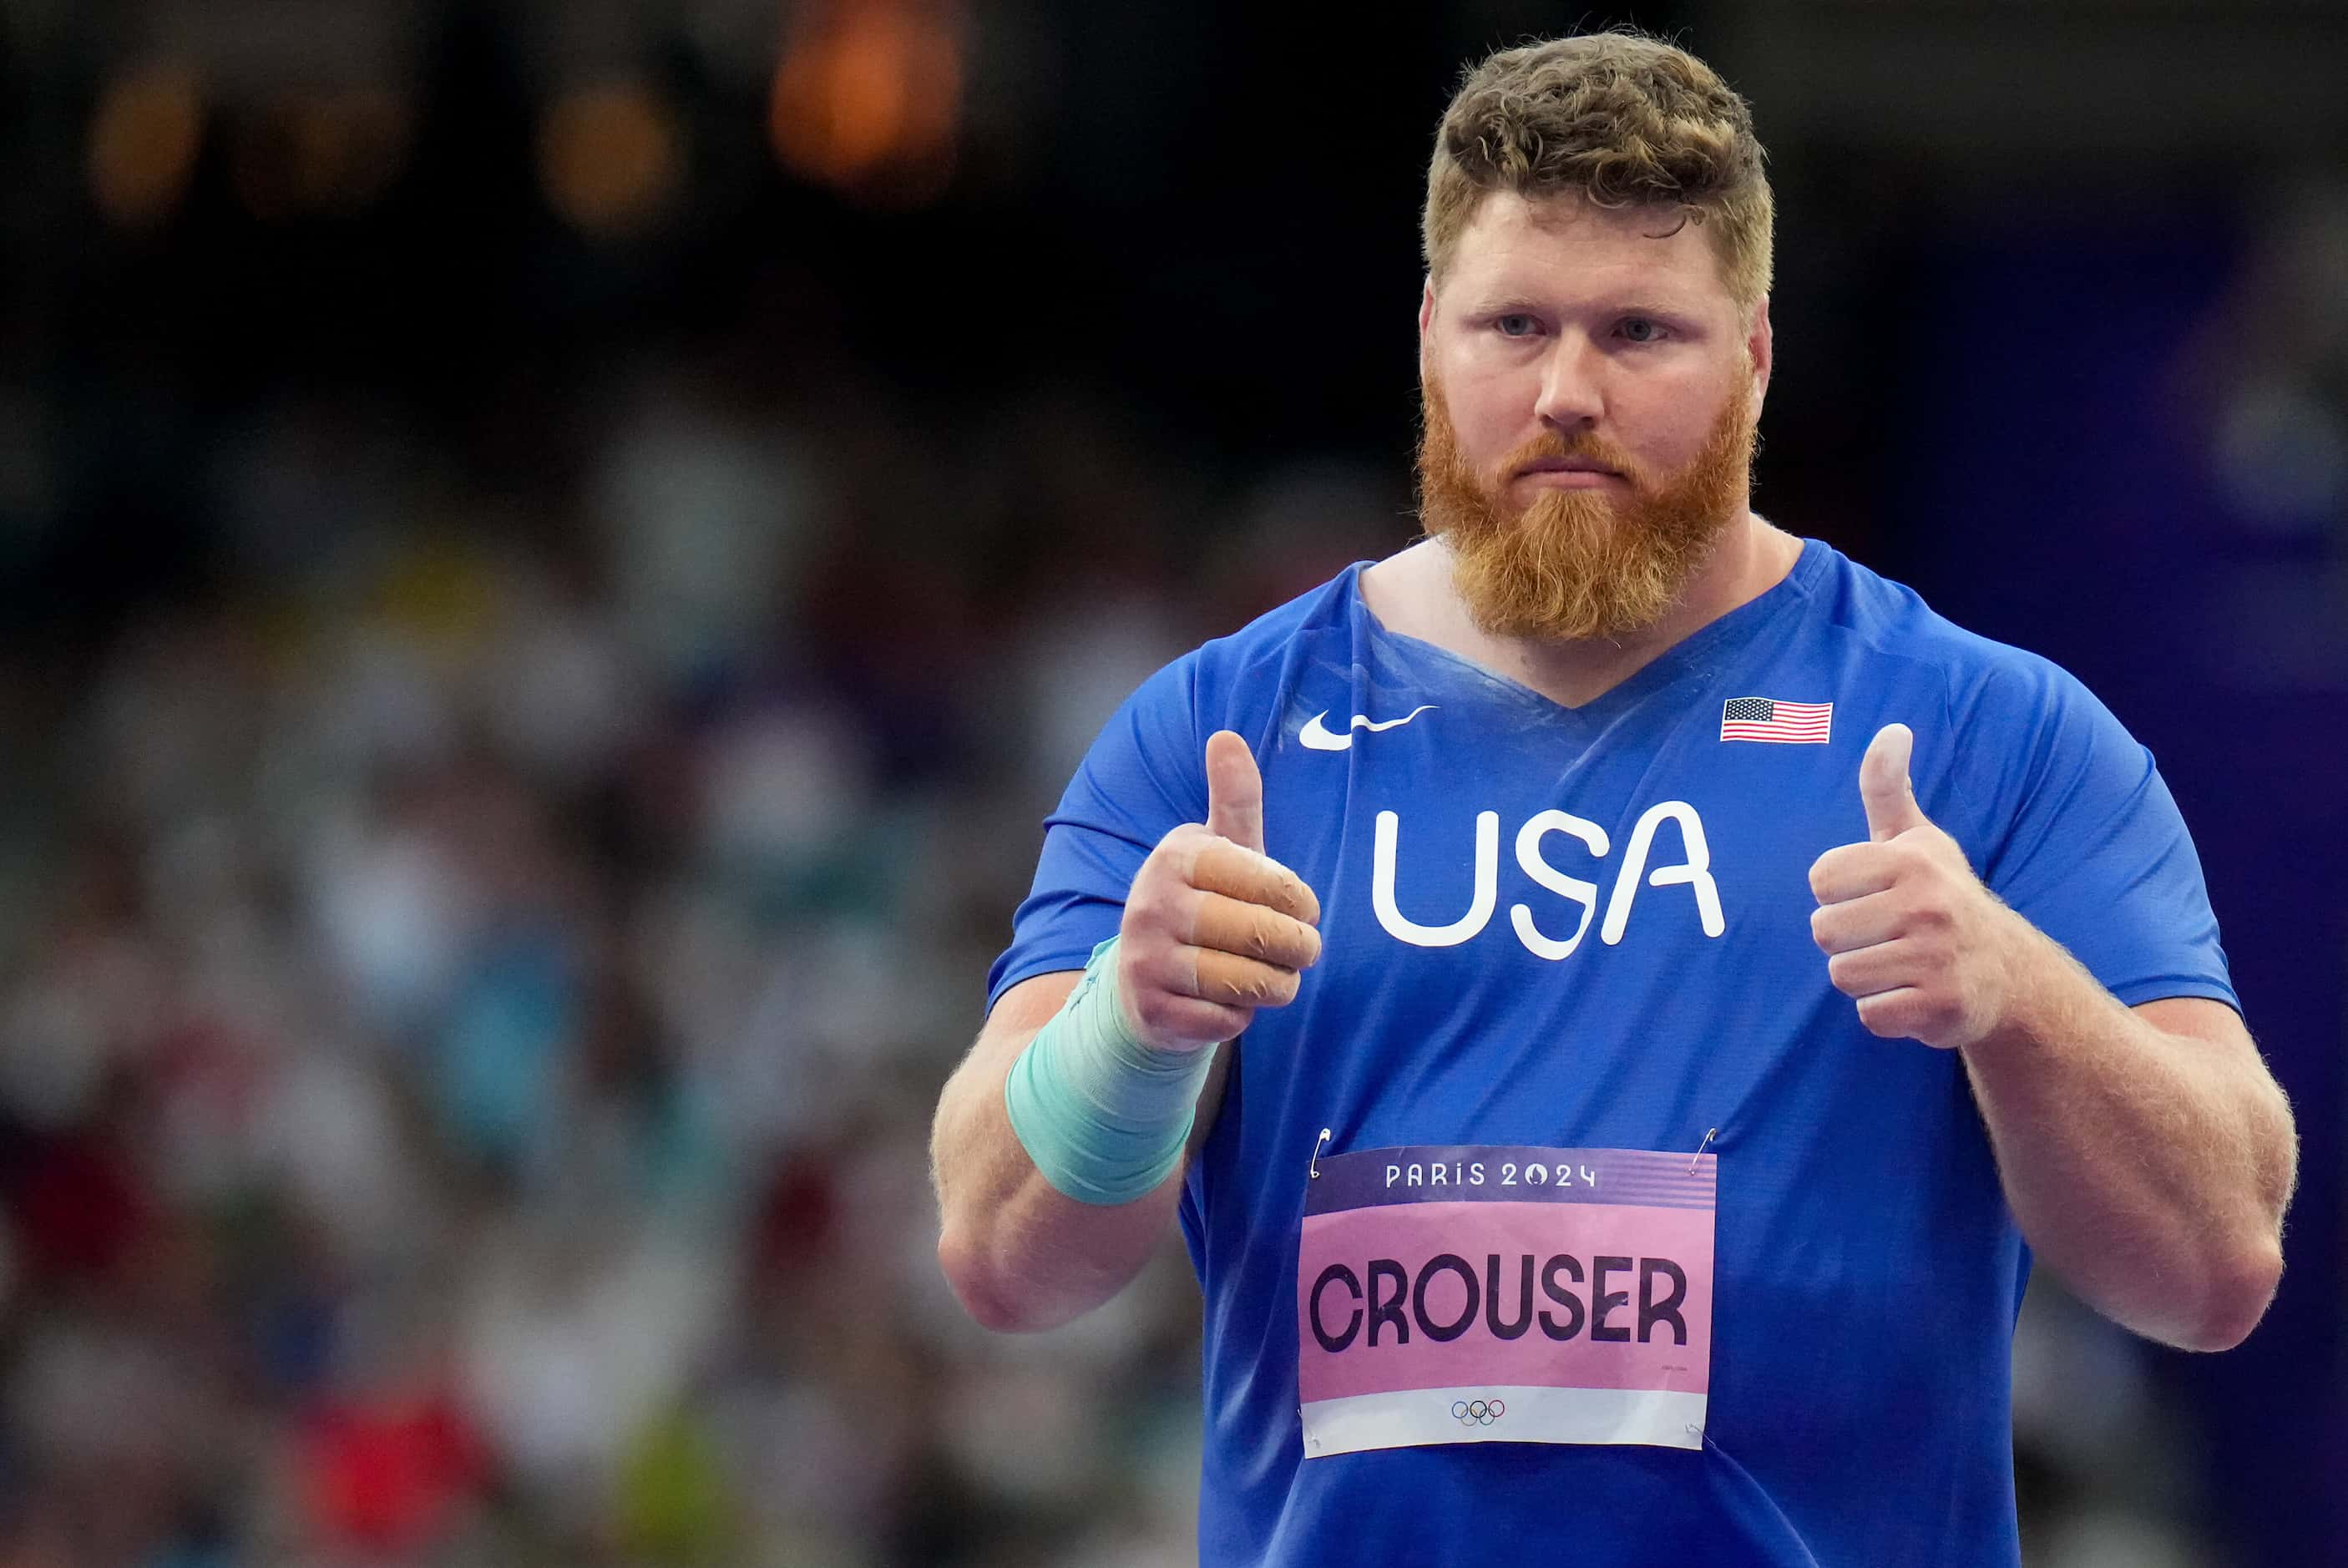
1103,1116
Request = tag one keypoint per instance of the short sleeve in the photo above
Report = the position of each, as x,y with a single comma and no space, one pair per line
2084,839
1144,776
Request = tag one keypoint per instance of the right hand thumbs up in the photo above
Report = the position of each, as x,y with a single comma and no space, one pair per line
1213,927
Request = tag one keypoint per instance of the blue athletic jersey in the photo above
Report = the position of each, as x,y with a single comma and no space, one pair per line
1489,980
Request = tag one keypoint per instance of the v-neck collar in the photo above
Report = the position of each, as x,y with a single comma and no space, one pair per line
1688,654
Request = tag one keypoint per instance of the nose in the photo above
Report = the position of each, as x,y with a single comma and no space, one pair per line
1570,398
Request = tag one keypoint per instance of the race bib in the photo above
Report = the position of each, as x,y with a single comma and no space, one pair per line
1498,1294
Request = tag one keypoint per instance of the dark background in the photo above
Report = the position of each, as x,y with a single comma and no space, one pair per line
553,557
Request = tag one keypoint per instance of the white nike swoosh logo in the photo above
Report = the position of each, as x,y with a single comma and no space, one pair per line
1318,736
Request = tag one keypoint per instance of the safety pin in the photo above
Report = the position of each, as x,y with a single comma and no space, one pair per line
1312,1170
1700,1148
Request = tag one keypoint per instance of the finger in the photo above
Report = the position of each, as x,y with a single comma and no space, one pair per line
1884,786
1252,931
1234,791
1853,870
1168,1020
1858,922
1236,982
1251,878
1869,971
1892,1014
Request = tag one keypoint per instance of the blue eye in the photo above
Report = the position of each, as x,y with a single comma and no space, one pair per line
1642,329
1515,323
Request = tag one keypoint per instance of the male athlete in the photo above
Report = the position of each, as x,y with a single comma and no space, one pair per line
1616,994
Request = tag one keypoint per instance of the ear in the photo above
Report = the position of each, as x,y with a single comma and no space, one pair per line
1426,316
1760,344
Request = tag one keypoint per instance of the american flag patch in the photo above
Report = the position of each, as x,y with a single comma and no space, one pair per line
1785,723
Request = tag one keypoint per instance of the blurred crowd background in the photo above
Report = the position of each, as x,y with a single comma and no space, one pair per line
555,553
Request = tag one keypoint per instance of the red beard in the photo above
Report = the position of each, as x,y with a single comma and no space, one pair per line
1581,563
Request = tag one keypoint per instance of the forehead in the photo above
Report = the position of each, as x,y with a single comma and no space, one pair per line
1566,244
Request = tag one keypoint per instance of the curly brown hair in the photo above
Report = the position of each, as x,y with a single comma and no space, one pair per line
1622,117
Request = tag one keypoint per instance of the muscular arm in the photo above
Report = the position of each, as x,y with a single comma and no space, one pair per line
1019,1254
1213,930
2147,1154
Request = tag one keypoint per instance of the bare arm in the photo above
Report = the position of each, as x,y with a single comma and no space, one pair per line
1020,1255
2146,1153
1213,930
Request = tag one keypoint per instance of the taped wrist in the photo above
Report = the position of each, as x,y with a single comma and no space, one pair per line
1103,1116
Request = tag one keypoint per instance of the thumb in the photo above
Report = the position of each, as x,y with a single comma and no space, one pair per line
1884,785
1234,791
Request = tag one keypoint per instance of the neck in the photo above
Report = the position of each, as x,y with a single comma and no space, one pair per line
1414,593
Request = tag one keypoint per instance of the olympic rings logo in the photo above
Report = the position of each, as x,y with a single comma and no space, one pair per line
1478,1412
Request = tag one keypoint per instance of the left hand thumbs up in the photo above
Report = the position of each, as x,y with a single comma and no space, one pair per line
1884,787
1910,933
